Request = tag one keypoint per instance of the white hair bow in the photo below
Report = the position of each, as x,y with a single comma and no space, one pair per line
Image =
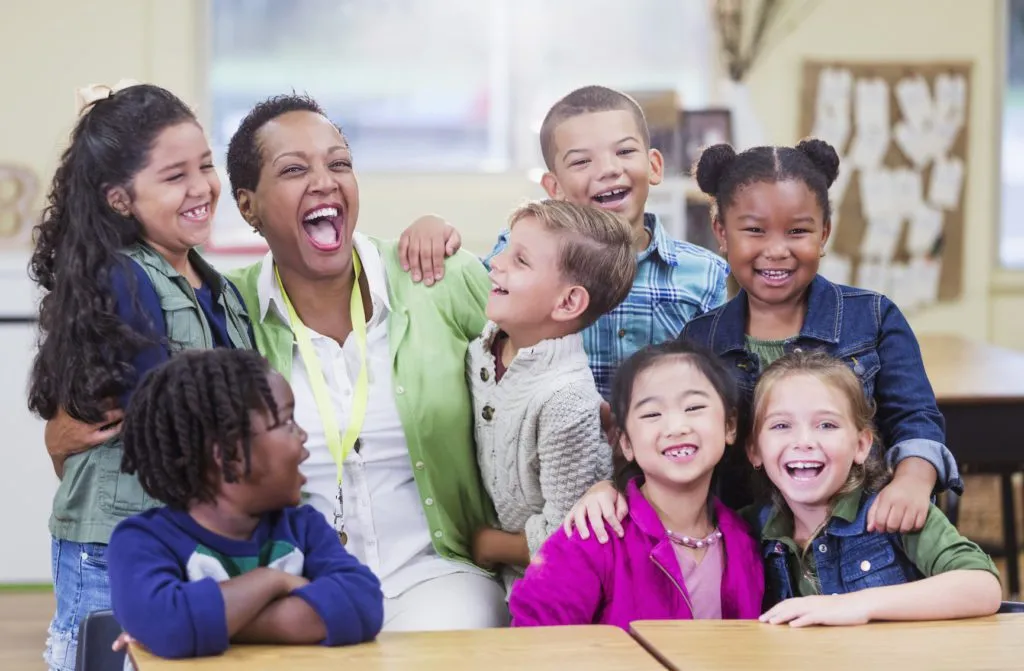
87,95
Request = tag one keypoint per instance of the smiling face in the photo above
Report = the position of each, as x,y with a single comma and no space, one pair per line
807,440
528,285
676,427
306,202
600,160
278,448
174,196
773,234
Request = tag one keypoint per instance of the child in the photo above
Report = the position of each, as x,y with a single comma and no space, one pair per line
773,220
133,196
212,435
813,437
538,426
683,555
598,153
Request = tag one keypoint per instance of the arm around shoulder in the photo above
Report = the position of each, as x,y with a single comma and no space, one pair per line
908,414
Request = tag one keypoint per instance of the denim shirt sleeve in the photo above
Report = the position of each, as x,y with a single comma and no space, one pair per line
908,416
499,247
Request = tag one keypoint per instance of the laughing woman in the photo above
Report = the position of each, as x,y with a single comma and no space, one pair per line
377,366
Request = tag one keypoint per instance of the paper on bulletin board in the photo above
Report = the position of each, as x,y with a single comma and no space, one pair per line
898,207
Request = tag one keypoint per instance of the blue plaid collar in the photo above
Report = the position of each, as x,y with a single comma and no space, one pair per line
660,242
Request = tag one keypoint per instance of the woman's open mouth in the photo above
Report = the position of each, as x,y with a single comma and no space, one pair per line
323,226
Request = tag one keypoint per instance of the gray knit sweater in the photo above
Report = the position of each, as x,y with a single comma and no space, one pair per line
538,433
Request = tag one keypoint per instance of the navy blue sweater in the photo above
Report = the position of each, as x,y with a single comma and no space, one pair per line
165,572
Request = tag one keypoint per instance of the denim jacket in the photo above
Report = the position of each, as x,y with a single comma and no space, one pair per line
864,329
848,558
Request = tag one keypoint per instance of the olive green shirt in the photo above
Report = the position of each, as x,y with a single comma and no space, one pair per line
767,351
937,548
94,495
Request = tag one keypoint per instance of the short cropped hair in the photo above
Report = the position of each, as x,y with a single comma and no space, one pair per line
588,100
596,250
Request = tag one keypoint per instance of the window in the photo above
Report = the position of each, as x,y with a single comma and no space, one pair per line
1011,240
449,85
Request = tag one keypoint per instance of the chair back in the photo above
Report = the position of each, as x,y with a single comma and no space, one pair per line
96,635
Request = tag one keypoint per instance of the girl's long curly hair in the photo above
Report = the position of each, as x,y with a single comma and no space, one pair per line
85,349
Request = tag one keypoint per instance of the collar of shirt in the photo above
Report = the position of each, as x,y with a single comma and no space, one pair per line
373,266
660,242
846,511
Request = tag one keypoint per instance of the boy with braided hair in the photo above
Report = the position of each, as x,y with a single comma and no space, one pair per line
231,558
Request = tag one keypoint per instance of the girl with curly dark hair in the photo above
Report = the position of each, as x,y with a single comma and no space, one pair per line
133,195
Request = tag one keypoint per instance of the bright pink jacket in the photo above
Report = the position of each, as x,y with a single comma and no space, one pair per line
636,577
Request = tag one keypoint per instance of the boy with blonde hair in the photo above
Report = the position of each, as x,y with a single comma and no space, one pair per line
597,150
536,407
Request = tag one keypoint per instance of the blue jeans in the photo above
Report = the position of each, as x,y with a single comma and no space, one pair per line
81,585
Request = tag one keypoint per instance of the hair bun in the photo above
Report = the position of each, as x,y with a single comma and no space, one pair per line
823,156
712,165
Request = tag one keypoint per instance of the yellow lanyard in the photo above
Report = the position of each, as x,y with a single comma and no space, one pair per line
338,445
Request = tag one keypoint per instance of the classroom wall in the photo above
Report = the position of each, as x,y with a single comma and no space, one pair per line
160,41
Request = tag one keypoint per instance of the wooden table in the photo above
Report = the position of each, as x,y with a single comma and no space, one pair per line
990,643
980,391
557,648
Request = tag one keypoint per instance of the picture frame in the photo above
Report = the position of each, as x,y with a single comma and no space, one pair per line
701,128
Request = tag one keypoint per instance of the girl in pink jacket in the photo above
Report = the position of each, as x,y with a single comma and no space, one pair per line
681,554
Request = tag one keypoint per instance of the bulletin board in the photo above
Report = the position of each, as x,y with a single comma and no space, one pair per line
898,205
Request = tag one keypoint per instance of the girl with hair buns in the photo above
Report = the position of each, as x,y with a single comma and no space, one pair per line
773,221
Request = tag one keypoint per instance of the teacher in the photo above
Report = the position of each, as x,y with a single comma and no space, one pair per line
377,364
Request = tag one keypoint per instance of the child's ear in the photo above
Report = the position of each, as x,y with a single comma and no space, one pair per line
657,166
826,231
571,305
754,455
119,200
626,447
719,230
865,439
551,186
730,430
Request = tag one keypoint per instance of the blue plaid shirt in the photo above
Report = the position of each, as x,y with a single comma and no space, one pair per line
675,282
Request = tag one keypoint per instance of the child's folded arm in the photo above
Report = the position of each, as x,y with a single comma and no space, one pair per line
345,595
572,454
908,414
156,605
287,621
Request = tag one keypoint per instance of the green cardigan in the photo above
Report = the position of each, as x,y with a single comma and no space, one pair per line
429,329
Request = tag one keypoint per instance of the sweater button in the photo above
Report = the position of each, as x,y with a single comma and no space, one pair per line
488,412
420,465
438,534
865,565
622,333
399,389
484,375
429,501
822,548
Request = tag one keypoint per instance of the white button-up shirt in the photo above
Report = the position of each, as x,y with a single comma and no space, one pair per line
384,520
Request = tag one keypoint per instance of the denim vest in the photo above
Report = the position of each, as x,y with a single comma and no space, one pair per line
94,495
848,558
867,331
